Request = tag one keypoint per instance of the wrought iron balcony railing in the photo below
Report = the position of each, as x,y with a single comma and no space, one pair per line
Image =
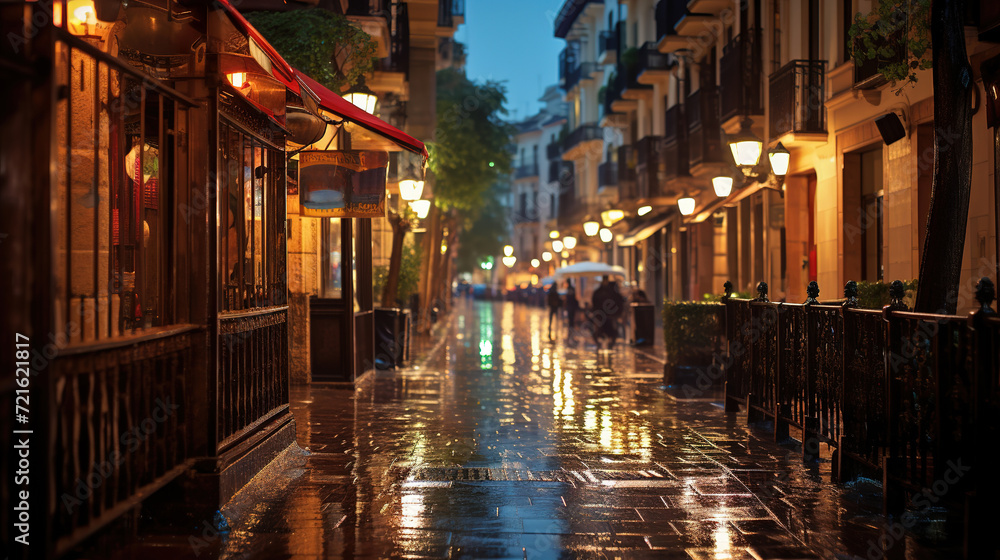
650,58
797,100
674,152
583,133
704,132
526,170
626,172
559,170
607,42
553,150
668,13
741,91
647,166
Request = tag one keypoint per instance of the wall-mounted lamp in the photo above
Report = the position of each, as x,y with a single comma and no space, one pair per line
723,185
557,246
508,250
546,256
606,235
643,210
612,216
686,205
535,263
591,227
421,207
554,234
569,242
509,261
362,97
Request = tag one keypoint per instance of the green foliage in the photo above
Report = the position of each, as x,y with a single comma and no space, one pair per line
630,58
875,295
470,134
409,275
487,235
601,93
320,43
691,330
895,34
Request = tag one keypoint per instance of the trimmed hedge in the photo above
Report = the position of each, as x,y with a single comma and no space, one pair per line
691,331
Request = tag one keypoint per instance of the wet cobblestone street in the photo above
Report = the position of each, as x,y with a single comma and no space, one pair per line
502,444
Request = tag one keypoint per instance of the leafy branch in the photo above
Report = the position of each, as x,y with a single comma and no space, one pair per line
895,35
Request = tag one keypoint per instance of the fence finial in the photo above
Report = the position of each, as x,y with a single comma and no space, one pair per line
851,293
761,291
896,293
986,292
728,287
812,291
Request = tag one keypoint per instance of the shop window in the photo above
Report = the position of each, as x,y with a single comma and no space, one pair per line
252,221
331,259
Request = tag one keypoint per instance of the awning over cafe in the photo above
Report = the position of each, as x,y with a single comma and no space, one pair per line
347,110
645,229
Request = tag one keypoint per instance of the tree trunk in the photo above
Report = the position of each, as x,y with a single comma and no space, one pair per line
432,242
941,261
399,228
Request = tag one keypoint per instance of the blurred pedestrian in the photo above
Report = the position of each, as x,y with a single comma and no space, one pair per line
608,308
572,305
555,302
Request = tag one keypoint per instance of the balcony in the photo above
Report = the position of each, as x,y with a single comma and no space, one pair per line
741,92
668,14
704,141
568,14
654,66
577,138
626,173
628,72
647,167
714,7
891,51
797,100
571,70
674,152
527,170
607,46
607,174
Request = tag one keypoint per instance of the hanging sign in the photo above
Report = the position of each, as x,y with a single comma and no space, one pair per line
342,183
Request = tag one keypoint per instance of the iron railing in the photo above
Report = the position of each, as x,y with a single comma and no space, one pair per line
399,35
741,91
526,170
607,42
626,172
704,132
647,166
900,396
797,100
668,13
675,148
650,58
553,150
583,133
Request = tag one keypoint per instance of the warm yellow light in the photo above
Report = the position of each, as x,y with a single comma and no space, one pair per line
535,263
508,250
606,235
686,205
509,261
410,189
84,14
546,256
723,185
565,254
612,216
569,242
363,100
554,234
421,207
444,248
534,278
643,210
590,227
237,79
557,246
779,157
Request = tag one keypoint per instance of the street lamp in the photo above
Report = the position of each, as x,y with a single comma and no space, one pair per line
411,189
643,210
569,242
606,235
421,207
745,145
546,256
686,205
508,250
362,97
557,246
591,226
612,216
535,263
723,185
509,261
779,157
554,234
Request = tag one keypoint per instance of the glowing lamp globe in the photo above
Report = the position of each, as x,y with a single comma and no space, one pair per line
590,227
546,256
410,189
569,242
723,185
557,246
686,205
606,235
508,250
779,157
643,210
421,207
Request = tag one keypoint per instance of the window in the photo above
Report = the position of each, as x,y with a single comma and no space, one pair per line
331,257
252,221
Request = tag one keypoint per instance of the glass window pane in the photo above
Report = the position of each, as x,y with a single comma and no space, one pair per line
332,285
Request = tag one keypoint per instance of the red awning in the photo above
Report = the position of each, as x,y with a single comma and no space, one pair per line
282,70
347,110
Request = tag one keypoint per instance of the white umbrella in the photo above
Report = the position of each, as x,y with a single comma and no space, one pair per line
547,280
587,269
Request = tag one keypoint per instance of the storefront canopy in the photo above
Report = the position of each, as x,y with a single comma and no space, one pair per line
645,229
297,82
347,110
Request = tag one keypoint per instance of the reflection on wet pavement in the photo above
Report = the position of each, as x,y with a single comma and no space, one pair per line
505,445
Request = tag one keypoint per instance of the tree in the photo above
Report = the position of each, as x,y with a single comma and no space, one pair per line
325,46
470,154
487,235
941,261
